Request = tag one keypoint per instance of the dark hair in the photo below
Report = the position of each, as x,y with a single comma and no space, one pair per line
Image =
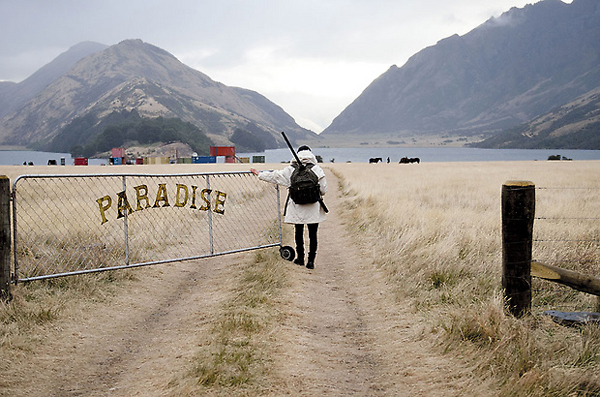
303,147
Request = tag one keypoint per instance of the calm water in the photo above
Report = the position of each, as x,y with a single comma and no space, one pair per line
362,155
355,155
18,157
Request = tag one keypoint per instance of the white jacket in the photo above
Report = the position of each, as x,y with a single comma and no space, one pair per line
299,213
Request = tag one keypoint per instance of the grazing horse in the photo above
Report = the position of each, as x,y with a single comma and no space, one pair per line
406,160
375,160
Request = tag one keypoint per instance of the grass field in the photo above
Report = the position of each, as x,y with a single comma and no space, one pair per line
434,230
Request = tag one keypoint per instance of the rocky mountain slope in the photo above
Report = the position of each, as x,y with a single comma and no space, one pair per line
505,72
16,94
136,75
575,125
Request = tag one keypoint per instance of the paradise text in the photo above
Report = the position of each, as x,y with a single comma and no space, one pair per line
183,195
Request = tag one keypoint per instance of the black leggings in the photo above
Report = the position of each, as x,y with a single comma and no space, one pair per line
312,237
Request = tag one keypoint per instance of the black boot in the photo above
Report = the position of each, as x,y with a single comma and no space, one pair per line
312,247
300,259
299,237
311,260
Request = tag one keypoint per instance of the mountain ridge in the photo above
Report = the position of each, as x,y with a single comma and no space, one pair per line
575,125
134,74
17,94
508,70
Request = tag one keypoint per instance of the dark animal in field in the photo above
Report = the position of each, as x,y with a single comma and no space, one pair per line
375,160
406,160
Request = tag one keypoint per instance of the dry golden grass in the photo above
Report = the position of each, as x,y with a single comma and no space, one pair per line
13,171
435,229
235,358
37,308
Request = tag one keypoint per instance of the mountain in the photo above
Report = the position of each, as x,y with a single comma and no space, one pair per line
575,125
503,73
134,75
16,94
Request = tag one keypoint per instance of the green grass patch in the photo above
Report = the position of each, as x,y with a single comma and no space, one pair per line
236,360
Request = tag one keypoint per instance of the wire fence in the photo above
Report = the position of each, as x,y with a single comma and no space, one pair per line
567,227
557,230
74,224
567,235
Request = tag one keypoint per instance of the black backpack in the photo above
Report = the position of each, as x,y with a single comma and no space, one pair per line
304,187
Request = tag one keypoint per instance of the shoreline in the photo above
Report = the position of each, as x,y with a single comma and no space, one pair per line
13,171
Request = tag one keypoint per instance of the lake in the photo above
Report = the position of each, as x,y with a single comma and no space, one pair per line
18,157
343,155
428,154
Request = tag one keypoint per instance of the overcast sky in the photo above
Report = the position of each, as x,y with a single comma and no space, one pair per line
311,57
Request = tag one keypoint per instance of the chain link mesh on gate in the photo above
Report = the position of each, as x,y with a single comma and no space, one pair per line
71,224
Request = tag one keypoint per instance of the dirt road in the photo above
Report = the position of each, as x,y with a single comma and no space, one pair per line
347,335
342,333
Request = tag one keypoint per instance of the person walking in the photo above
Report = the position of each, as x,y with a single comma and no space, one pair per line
301,214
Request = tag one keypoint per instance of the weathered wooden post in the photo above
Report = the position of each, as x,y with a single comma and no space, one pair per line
5,238
518,211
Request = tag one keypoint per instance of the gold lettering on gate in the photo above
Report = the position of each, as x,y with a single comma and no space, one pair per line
208,200
161,196
141,196
104,208
181,188
193,205
123,205
220,203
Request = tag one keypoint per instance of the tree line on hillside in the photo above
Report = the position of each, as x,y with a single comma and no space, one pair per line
253,138
86,136
89,135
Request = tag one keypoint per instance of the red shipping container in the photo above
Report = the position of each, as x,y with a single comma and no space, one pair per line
139,160
118,152
222,150
81,161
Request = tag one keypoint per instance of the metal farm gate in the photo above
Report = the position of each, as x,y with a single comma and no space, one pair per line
74,224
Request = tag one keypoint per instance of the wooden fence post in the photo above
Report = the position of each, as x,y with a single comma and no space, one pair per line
5,238
518,212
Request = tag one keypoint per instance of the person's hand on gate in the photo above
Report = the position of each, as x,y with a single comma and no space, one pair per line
254,171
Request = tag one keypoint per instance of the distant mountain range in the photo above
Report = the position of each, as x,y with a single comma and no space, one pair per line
95,82
528,65
527,79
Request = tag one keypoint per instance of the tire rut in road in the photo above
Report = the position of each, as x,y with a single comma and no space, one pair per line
143,338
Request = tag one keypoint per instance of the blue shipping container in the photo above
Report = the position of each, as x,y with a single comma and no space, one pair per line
204,159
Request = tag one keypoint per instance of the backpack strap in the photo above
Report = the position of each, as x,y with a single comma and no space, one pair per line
287,200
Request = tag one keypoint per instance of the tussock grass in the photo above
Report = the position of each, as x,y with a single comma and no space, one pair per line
435,231
40,305
235,360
